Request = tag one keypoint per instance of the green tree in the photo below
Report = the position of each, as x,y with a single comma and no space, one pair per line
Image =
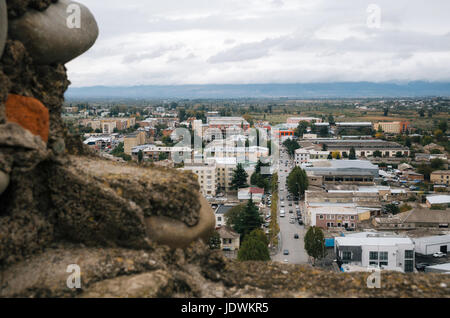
140,156
214,241
437,164
291,146
377,153
443,125
352,155
239,178
233,215
249,220
315,243
301,128
297,182
392,208
254,248
274,183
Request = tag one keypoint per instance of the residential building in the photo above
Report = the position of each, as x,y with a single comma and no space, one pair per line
220,214
388,253
432,244
440,177
154,153
396,127
224,173
133,140
303,155
229,239
225,123
206,176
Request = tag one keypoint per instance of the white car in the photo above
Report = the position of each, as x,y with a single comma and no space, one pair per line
439,254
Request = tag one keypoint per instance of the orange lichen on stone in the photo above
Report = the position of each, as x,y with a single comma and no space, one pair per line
29,113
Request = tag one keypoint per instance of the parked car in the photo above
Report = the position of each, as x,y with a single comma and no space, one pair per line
421,266
300,221
296,236
439,255
286,252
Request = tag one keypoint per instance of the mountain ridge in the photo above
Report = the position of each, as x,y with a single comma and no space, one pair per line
297,90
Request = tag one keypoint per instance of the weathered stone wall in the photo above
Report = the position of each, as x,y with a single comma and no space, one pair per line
46,196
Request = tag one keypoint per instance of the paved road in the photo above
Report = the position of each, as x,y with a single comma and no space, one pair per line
297,253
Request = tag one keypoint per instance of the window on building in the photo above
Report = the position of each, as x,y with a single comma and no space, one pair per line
383,264
321,217
409,254
409,266
346,256
383,256
373,255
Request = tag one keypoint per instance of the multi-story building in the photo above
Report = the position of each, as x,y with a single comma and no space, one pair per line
226,123
224,172
365,148
396,127
206,175
242,154
154,152
367,250
133,140
303,156
440,177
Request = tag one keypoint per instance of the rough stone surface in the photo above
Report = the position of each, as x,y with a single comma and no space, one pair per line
17,8
29,113
4,181
3,25
196,272
47,36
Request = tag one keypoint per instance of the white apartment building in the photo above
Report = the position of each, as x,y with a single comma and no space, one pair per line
303,156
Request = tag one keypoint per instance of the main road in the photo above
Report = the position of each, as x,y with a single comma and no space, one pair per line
295,247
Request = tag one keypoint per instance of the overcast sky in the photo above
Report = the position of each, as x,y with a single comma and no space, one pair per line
171,42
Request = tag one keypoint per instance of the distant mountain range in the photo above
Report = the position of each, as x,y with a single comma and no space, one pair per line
302,91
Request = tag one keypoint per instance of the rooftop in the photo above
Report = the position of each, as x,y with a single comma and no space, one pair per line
439,199
438,239
382,241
